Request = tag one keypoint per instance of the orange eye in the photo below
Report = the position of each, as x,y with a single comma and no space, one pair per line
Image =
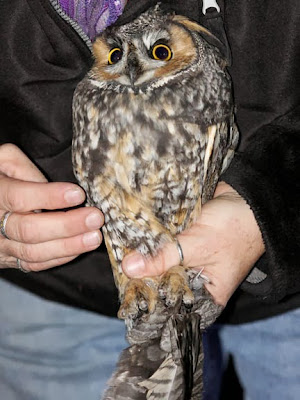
115,55
161,52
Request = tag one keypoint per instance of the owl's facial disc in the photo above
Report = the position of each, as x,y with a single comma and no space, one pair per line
136,58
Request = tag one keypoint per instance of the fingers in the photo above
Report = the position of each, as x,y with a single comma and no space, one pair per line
36,267
15,164
11,262
47,239
47,254
21,196
47,226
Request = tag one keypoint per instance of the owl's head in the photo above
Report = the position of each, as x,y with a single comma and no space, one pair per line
154,46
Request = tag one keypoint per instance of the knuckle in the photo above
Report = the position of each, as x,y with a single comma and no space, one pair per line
12,201
67,246
9,199
28,253
160,264
26,229
7,261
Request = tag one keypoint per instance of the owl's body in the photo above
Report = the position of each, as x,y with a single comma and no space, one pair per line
153,129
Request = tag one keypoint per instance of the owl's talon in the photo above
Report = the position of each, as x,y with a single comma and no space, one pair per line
139,297
162,294
121,314
143,305
188,302
171,302
175,288
188,306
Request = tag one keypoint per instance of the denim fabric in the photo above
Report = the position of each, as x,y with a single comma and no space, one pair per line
49,351
266,356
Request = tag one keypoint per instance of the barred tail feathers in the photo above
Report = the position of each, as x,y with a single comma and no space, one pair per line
179,377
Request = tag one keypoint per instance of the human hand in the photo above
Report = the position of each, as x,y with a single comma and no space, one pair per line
225,242
42,240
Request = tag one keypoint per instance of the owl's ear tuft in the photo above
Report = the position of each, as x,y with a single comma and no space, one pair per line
190,25
205,33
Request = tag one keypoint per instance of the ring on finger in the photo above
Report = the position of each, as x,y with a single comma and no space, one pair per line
19,265
3,222
180,252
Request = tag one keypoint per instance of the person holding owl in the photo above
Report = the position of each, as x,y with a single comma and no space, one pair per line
57,336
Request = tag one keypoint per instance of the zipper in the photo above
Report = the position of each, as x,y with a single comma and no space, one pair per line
55,4
210,3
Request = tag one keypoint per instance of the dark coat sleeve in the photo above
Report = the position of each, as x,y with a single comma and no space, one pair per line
266,173
264,38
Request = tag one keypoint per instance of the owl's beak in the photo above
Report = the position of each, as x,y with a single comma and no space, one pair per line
134,69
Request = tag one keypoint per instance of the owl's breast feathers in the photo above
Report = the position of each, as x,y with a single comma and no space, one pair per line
151,144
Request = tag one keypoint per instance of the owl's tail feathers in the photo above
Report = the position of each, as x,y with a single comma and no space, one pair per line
192,356
179,377
166,382
165,359
136,363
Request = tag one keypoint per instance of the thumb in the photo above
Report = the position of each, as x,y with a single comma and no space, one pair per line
135,265
15,164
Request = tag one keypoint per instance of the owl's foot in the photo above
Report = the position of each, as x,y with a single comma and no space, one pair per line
140,296
174,287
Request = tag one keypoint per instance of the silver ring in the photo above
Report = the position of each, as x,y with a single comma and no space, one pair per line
180,252
3,222
20,266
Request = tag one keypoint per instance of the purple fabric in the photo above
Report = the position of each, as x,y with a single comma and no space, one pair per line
93,16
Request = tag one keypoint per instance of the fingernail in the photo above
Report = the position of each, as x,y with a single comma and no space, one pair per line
74,196
134,266
91,239
94,220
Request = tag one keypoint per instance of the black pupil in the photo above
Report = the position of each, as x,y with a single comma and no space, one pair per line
116,56
161,53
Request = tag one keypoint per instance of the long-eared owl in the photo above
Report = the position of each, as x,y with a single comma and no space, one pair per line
153,130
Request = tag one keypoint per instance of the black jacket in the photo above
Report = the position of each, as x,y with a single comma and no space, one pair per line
42,60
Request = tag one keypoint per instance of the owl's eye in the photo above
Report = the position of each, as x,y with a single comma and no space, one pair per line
161,52
115,55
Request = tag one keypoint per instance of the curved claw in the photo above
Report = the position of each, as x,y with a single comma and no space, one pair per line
139,296
174,288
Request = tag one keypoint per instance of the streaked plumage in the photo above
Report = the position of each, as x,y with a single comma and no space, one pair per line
151,137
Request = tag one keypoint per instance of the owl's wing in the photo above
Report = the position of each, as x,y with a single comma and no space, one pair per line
223,139
215,156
